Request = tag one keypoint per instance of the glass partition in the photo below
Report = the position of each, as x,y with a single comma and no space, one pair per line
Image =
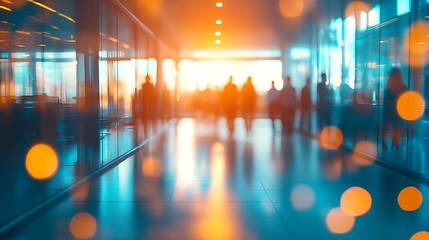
71,76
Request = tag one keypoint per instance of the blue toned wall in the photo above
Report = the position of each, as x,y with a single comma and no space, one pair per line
71,75
357,50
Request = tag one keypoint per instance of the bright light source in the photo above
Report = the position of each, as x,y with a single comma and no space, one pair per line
374,16
403,7
300,53
211,54
218,33
5,8
217,41
219,4
218,22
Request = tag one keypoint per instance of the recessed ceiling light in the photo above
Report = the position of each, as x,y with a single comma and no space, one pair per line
218,22
217,41
219,4
218,33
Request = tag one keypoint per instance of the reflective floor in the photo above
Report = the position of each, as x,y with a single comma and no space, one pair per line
197,182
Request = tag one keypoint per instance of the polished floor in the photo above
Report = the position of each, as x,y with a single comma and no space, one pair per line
195,181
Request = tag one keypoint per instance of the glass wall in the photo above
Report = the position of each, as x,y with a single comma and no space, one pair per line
38,89
358,46
72,82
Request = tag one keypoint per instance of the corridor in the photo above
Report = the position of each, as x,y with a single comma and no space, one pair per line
194,181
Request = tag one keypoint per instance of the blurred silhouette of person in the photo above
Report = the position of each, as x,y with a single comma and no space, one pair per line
323,103
229,102
248,103
305,105
287,105
147,100
272,99
391,119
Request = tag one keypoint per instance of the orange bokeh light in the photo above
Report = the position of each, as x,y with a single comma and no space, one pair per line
410,106
356,201
151,7
410,199
416,47
291,8
364,153
152,167
331,137
83,226
339,222
422,235
354,8
41,162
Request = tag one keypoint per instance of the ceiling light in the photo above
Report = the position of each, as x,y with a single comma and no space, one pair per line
217,41
218,22
5,8
218,33
219,4
43,6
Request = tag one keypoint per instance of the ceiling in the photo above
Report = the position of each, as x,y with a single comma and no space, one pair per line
187,26
246,24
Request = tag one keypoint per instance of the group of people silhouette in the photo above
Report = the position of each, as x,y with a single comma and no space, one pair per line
232,101
282,104
149,104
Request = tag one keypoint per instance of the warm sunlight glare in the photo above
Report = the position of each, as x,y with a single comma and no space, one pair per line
41,162
410,106
214,74
410,199
339,222
220,220
185,161
83,226
331,137
356,201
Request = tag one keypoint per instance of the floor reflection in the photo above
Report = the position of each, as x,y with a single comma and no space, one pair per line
194,182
